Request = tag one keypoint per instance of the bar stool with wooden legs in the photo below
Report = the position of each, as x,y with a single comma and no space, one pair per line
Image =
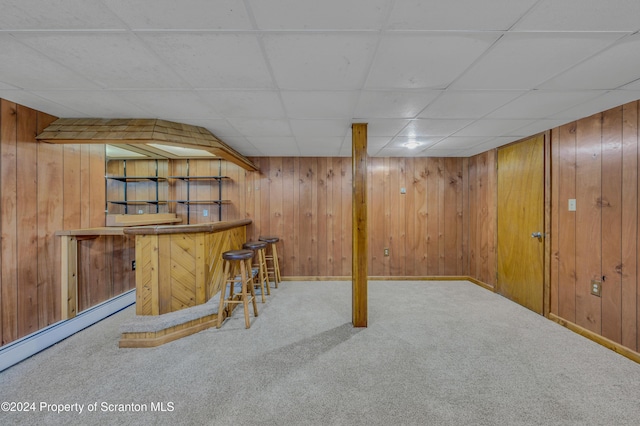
273,257
237,268
259,247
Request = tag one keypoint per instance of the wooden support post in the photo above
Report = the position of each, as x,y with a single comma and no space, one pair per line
359,230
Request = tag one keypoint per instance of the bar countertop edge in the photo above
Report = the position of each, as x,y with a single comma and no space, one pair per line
187,229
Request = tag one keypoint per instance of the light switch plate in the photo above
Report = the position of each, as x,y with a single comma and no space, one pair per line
572,204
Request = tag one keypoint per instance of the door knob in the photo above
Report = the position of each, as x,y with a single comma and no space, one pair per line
536,235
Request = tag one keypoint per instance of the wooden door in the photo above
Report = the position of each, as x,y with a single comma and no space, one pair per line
521,214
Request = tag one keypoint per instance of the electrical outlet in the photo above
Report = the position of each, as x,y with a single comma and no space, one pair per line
596,288
386,252
133,265
140,211
205,212
403,190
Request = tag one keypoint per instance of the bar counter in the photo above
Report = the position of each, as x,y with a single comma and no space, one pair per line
180,266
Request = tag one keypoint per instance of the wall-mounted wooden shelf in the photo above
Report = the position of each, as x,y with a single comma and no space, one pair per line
202,201
137,178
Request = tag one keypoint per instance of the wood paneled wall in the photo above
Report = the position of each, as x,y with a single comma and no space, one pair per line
595,161
45,188
483,199
307,203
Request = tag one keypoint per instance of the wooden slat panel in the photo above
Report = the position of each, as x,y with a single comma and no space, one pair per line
433,186
322,216
397,230
490,227
288,217
9,241
629,222
420,206
27,218
377,238
306,234
588,221
465,217
277,204
411,236
330,219
566,236
554,230
50,193
144,274
347,185
611,204
473,217
452,217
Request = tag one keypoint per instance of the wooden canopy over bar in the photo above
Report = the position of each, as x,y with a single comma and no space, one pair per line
140,132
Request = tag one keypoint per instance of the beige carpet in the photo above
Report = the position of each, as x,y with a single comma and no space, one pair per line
435,353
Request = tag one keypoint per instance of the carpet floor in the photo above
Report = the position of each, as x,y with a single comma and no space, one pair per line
434,353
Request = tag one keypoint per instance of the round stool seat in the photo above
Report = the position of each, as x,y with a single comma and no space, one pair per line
254,245
237,254
271,240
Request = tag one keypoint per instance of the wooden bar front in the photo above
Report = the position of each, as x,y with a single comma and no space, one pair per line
180,266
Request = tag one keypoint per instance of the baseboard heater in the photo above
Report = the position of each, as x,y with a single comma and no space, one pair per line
21,349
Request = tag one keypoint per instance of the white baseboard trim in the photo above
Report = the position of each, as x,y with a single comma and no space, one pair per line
21,349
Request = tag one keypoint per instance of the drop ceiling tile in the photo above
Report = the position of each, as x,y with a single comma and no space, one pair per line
393,104
599,71
582,15
438,153
319,15
468,104
319,61
169,104
110,60
488,145
38,103
218,126
384,126
428,127
631,86
393,152
284,146
538,126
24,67
185,14
5,86
319,104
540,104
522,61
261,127
57,15
245,103
374,143
319,146
425,142
109,105
459,15
319,128
243,146
492,127
430,61
213,60
459,142
607,101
